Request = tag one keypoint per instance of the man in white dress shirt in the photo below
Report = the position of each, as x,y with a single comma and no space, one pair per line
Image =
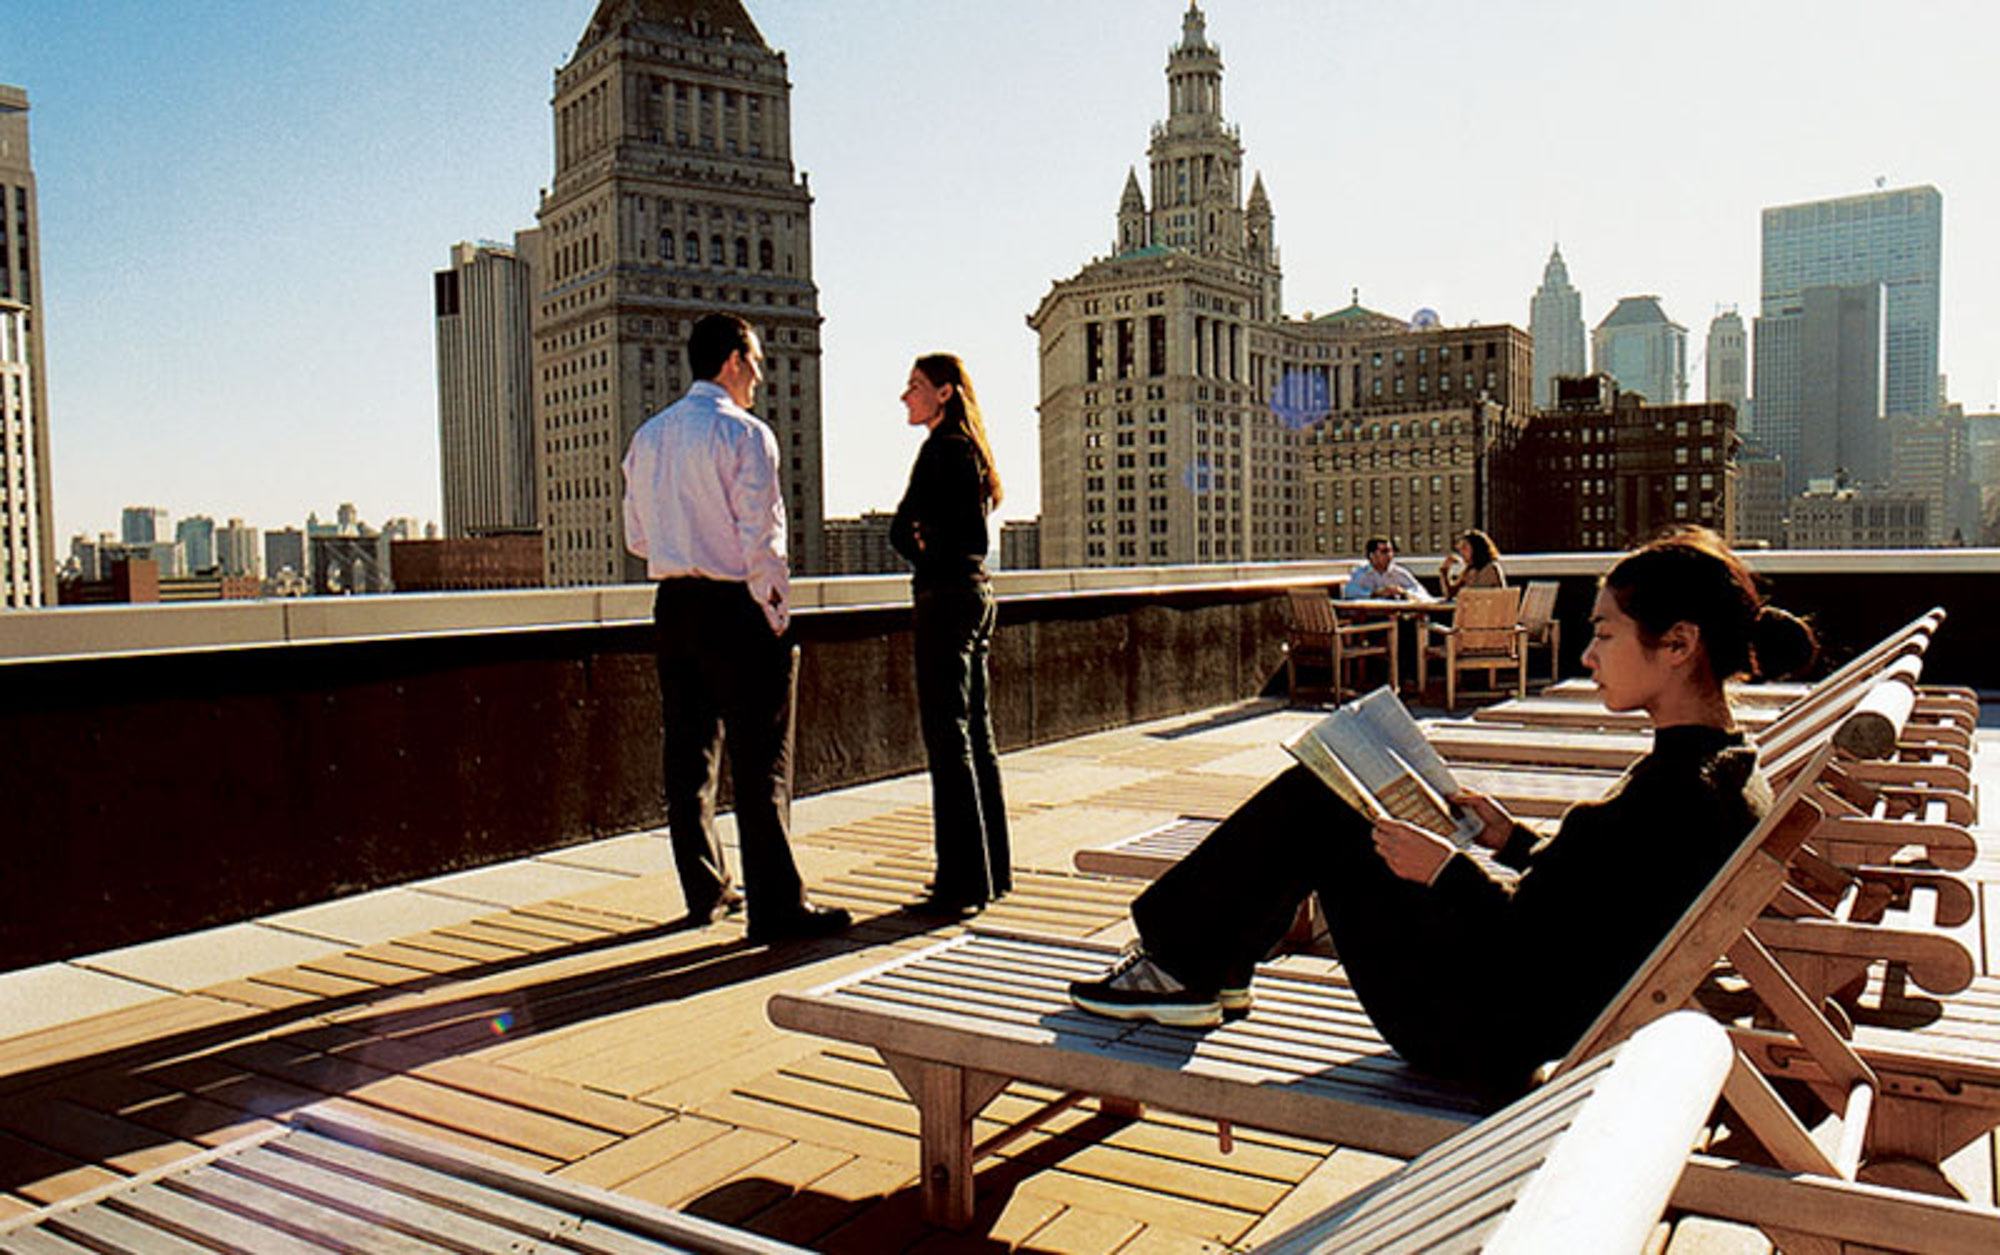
1382,576
704,509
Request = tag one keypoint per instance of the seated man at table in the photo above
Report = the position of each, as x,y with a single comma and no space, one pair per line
1382,576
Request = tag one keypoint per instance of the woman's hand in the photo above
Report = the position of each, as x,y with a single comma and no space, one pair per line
1411,852
1495,823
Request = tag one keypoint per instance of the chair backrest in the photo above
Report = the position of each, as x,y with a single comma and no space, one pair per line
1485,619
1309,611
1538,604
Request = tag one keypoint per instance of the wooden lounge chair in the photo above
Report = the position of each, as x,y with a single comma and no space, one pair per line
1315,637
1485,634
340,1183
1539,624
957,1022
1584,1164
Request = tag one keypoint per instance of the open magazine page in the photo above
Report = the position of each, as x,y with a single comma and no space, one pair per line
1391,725
1366,760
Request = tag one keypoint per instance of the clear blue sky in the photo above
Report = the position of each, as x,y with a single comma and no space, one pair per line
243,200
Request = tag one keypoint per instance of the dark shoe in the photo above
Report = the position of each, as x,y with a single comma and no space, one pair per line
1235,1001
1136,988
728,903
943,907
805,924
1235,995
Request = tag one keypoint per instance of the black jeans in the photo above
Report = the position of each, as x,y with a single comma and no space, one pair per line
954,632
725,677
1412,961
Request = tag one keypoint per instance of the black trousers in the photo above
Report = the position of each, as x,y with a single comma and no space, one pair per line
954,634
725,678
1412,961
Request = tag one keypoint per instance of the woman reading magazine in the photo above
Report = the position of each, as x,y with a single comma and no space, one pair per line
1469,978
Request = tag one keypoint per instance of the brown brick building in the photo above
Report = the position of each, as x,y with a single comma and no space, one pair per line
1605,470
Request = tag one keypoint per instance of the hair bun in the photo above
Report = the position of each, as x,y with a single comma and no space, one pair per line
1781,644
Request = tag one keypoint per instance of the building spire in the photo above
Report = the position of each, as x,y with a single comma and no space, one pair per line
1194,29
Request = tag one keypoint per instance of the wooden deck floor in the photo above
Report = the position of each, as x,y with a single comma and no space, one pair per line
586,1036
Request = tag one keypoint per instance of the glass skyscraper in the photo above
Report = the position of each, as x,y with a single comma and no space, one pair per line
1893,238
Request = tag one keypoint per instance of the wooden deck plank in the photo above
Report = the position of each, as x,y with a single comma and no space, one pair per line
630,1157
448,1134
412,957
23,1060
90,1136
365,970
42,1176
317,984
805,1218
142,1101
545,1136
703,1168
773,1179
263,997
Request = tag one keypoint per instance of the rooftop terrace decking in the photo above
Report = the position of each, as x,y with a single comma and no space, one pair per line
546,1011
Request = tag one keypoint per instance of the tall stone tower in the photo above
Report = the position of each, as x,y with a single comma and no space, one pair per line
674,195
1728,363
1555,319
1159,444
27,513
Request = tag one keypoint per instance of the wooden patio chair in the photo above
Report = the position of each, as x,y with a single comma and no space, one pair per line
1584,1164
1485,634
1538,620
326,1182
958,1022
1315,637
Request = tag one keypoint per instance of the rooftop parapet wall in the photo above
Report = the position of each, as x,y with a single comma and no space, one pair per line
171,767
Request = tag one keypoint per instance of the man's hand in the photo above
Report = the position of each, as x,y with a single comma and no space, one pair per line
1495,822
1411,852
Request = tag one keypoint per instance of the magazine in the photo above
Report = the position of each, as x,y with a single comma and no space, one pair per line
1373,755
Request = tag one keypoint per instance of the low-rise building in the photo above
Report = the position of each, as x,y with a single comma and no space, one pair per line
1605,470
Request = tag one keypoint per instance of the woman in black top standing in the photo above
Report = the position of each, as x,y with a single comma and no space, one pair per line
941,528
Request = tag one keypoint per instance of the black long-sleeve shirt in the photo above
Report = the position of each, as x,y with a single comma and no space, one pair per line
940,525
1594,899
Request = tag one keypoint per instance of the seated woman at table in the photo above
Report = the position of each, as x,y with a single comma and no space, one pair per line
1473,563
1382,576
1469,978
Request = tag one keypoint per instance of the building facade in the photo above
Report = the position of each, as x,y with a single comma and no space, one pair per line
1894,238
1555,319
1832,516
1404,432
286,550
860,546
22,581
196,535
1609,471
486,418
1821,370
1761,500
1727,358
674,195
1183,414
1643,350
1021,545
143,524
236,549
27,507
1931,459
